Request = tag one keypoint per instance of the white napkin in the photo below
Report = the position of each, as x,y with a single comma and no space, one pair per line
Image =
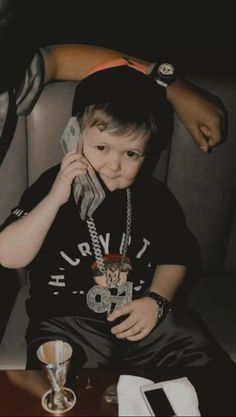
180,392
130,401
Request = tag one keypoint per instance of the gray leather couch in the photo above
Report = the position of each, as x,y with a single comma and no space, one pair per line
205,186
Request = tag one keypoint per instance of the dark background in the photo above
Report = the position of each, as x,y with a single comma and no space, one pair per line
200,37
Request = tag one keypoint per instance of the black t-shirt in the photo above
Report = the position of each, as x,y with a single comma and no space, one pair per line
61,275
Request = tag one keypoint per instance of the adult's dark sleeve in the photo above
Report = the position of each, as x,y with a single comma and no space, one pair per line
21,100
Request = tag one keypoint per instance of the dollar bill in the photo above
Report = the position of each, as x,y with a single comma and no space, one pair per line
87,189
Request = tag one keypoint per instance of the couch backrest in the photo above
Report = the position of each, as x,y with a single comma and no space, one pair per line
13,171
205,185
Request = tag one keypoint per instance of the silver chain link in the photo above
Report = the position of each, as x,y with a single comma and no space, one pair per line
128,229
96,243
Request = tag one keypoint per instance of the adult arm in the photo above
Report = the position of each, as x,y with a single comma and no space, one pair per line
75,61
202,116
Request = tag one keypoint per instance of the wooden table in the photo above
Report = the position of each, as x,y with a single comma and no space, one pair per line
21,391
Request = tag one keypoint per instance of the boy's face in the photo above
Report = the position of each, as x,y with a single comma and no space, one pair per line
117,159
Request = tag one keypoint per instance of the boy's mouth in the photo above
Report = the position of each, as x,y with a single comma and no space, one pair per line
111,177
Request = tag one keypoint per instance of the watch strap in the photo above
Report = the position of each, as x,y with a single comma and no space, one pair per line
164,74
163,304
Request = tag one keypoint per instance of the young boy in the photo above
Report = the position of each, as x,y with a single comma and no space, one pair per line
105,284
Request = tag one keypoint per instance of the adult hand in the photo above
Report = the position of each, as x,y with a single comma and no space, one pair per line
72,166
202,113
142,318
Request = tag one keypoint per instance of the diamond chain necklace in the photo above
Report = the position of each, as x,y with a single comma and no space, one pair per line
97,247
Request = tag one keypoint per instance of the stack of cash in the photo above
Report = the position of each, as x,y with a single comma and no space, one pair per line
87,189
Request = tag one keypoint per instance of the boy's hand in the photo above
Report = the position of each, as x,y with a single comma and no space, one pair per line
142,318
71,167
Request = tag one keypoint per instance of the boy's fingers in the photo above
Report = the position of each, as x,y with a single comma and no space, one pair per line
69,158
74,166
74,171
70,153
119,312
134,330
138,336
124,326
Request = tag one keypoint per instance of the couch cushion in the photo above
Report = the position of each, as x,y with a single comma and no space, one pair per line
45,126
13,345
230,258
213,298
205,185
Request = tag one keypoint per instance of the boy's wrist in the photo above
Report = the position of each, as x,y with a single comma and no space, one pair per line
163,304
53,202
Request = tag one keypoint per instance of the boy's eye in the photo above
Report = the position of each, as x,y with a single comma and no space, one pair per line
132,154
101,148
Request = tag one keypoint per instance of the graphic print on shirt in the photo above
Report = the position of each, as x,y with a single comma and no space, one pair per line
100,298
112,264
112,290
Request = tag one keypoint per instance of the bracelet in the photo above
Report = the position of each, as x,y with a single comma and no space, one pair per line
163,304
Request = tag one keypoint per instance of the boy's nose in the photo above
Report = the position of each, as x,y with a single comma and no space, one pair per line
114,162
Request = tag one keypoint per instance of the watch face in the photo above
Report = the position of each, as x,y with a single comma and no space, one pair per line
166,69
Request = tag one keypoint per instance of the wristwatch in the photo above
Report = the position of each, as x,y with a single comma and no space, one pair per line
164,74
163,304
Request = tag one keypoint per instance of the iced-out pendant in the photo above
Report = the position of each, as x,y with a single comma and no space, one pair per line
104,299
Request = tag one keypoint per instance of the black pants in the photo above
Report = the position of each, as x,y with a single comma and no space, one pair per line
179,340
